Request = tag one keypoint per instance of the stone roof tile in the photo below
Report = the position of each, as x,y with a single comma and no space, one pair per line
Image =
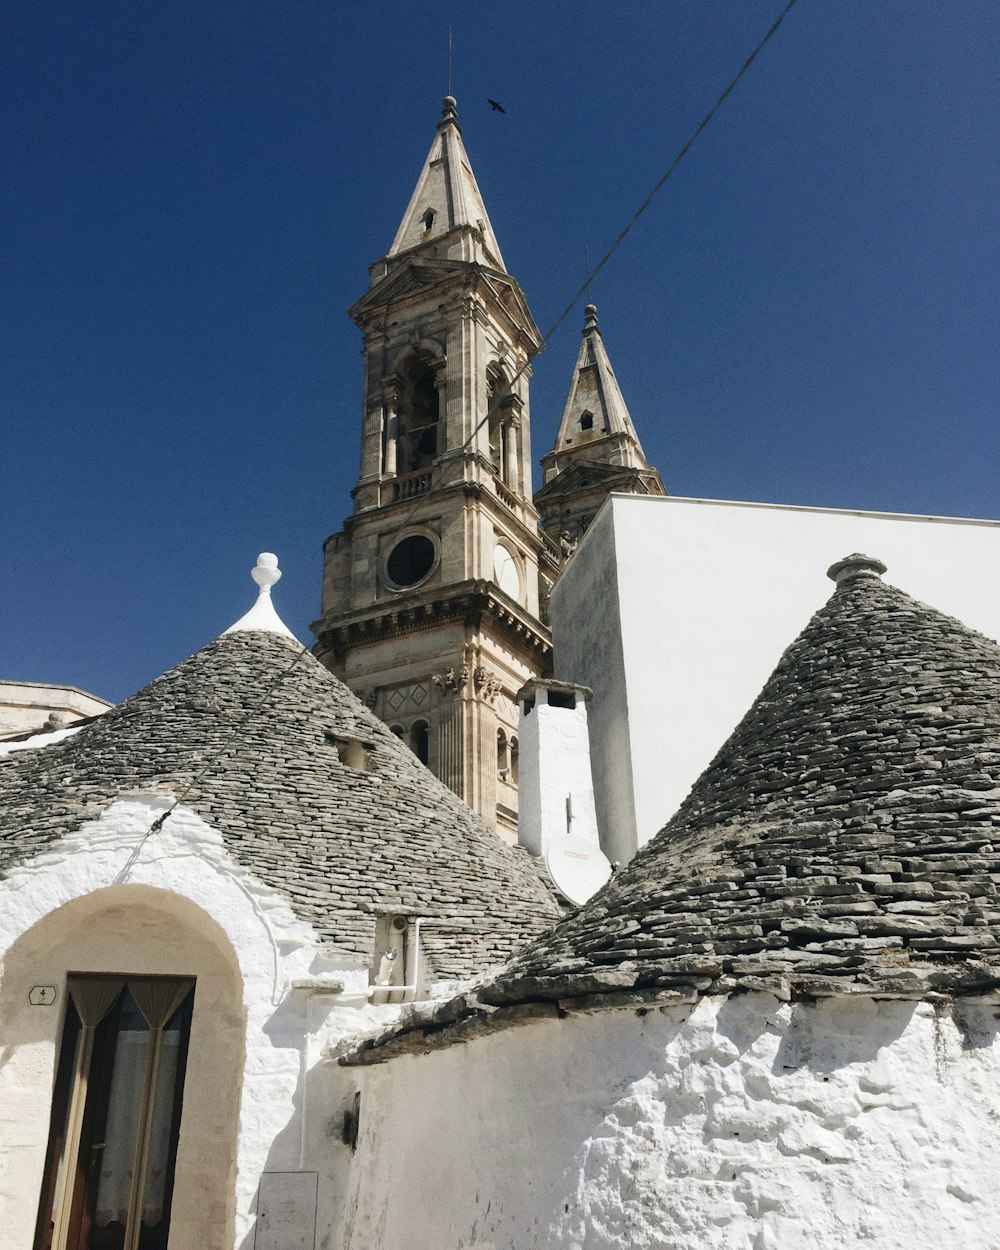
849,827
245,731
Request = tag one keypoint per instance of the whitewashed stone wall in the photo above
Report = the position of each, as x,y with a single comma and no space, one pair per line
739,1124
104,900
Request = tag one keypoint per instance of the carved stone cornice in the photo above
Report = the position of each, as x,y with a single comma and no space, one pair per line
475,603
392,389
482,284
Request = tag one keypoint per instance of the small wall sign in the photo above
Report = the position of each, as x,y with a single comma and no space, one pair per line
286,1211
42,995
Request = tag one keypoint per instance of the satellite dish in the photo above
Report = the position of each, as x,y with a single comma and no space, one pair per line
577,866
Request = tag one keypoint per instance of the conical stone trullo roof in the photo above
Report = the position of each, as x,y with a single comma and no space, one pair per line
249,732
844,837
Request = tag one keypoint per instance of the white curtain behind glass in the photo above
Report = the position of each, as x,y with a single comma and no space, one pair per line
159,1142
124,1107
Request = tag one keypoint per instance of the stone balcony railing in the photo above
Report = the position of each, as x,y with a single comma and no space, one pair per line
504,495
409,485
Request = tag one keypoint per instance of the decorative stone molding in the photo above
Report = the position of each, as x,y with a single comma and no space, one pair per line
452,681
391,391
403,700
567,545
487,685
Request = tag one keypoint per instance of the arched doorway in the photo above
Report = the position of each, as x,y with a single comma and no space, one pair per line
134,1141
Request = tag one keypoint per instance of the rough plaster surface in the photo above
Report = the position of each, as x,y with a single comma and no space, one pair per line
104,899
741,1124
556,790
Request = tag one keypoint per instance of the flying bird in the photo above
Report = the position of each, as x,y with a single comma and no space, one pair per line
496,106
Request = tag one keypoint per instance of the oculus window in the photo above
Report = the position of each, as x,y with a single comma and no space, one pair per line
411,560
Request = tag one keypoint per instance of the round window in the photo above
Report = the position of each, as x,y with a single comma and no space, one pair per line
410,560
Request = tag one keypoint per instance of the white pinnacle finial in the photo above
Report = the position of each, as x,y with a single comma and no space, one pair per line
266,572
262,615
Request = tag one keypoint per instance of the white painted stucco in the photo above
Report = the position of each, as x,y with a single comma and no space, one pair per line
555,785
108,899
741,1124
675,612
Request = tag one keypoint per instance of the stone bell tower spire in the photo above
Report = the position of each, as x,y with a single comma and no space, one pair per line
431,591
597,450
447,198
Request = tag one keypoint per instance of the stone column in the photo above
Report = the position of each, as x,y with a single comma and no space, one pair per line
484,722
485,733
441,386
511,475
390,391
452,754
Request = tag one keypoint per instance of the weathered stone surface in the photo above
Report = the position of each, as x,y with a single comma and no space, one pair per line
849,817
245,733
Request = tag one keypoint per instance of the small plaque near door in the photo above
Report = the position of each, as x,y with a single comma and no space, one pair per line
42,995
286,1211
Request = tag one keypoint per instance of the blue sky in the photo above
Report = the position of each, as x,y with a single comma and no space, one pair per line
193,192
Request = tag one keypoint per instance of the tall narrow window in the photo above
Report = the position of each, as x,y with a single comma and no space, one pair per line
116,1114
420,741
497,390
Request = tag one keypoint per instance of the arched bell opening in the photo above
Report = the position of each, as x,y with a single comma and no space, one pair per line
497,392
503,427
503,760
419,416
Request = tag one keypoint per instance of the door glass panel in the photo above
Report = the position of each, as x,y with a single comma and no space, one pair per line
124,1106
127,1086
159,1164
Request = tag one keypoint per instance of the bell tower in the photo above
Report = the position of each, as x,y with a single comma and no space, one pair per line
430,608
597,450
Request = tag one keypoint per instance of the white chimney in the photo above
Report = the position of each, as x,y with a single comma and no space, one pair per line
555,793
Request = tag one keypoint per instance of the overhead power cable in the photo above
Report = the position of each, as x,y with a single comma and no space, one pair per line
668,172
660,184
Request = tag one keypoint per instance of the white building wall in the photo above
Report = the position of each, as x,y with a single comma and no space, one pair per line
740,1124
257,1099
675,612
